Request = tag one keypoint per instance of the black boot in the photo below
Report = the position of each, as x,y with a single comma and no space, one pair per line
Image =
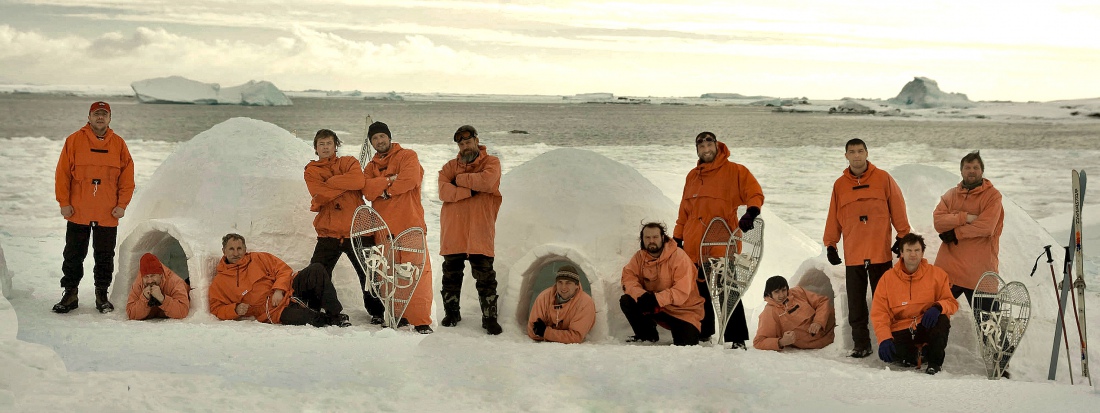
101,303
451,315
489,315
338,319
68,301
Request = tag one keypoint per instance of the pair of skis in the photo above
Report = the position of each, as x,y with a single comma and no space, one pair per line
1073,253
729,259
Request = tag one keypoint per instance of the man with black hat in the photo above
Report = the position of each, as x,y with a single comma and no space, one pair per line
793,317
93,184
469,188
562,313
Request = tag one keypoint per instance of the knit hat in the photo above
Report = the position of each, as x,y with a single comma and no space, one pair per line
774,283
568,272
100,105
378,127
150,265
465,128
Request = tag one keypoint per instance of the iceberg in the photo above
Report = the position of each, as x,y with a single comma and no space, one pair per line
178,89
923,92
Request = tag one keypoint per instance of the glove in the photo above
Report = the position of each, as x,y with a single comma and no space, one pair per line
539,327
648,303
949,237
154,302
896,248
745,223
834,257
679,242
886,350
931,316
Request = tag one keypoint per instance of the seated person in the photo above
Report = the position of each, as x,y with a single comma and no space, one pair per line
563,313
793,317
157,292
659,288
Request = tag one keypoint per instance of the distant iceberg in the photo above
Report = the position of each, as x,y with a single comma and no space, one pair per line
923,92
177,89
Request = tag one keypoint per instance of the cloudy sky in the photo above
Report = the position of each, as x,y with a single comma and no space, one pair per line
990,50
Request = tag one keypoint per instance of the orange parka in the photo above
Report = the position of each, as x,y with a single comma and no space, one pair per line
714,189
670,277
252,280
979,241
467,220
568,322
801,309
94,176
402,210
176,304
334,185
901,298
863,209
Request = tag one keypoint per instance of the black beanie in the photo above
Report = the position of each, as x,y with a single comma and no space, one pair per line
378,127
774,283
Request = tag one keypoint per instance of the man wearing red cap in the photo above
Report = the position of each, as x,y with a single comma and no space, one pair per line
93,184
157,292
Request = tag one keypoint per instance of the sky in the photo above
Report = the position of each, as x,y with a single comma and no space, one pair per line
989,50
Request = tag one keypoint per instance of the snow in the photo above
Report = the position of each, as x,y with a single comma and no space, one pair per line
245,175
923,92
178,89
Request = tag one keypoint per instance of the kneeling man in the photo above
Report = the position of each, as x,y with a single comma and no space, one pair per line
659,288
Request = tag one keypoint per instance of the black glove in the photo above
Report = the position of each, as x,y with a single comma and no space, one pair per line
154,302
949,237
679,242
454,181
648,303
896,248
539,327
745,223
834,257
886,350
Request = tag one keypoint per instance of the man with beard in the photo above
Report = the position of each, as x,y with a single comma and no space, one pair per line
865,204
392,184
563,313
716,187
469,188
969,219
659,289
157,292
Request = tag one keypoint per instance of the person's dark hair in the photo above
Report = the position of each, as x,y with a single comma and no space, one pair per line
912,238
326,133
971,157
232,236
853,142
641,233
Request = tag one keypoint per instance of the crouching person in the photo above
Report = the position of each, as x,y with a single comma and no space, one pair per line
157,292
260,285
793,317
563,313
659,288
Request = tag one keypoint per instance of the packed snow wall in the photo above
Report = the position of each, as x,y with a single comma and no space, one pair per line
5,275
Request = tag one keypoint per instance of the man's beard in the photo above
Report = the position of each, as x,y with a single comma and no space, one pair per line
468,155
654,248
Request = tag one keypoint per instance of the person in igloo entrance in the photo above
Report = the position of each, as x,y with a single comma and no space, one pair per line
157,292
794,317
562,313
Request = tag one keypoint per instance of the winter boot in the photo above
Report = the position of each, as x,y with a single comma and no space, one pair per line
451,310
489,315
68,301
101,303
338,319
424,329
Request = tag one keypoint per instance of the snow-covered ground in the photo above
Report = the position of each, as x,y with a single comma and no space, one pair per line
85,361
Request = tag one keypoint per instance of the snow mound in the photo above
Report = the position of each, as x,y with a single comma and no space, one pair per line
5,275
178,89
243,176
923,92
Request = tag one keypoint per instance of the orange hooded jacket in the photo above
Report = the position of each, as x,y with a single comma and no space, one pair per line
94,176
176,304
334,185
467,221
714,189
252,280
901,298
979,241
403,210
802,309
568,322
863,209
671,278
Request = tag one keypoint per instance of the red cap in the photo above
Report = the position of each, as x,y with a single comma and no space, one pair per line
150,265
100,105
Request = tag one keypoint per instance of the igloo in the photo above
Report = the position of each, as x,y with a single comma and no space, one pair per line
243,176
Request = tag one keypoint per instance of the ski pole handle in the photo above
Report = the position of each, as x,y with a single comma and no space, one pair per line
1050,260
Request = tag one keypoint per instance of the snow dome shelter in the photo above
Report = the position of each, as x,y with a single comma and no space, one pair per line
243,176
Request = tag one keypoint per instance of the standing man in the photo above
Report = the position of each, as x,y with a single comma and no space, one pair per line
157,292
334,183
392,185
969,219
716,187
865,204
469,188
563,313
912,307
659,289
93,184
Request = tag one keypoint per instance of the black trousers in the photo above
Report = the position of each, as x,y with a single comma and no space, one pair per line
856,279
934,340
76,249
328,252
480,265
736,331
313,292
645,325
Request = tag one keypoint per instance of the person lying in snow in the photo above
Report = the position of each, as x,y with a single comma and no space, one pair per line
563,313
157,292
793,317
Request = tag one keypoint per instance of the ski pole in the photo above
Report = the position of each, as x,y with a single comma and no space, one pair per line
1061,313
